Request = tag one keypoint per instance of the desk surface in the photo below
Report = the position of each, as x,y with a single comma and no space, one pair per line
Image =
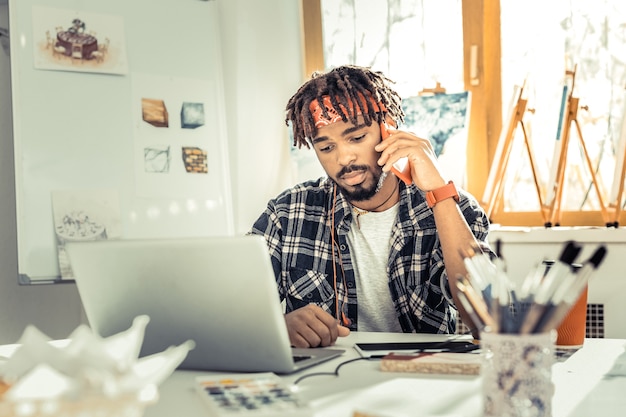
590,382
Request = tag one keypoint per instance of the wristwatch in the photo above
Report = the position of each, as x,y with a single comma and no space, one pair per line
442,193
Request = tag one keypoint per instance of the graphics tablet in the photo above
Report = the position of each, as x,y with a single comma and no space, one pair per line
378,350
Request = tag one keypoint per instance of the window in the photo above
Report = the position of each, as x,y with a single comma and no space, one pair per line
416,43
419,43
573,40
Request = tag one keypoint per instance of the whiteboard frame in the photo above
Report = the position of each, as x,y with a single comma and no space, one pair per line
144,23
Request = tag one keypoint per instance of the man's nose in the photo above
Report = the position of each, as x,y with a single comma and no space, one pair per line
345,155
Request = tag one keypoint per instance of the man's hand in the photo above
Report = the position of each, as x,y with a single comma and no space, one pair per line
310,326
425,170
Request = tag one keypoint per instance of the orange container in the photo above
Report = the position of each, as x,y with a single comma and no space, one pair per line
571,331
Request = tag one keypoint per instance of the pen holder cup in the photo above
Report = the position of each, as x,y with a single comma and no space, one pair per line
517,374
571,331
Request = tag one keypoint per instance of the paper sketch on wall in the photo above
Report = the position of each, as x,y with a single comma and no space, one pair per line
154,112
157,159
172,136
191,115
84,215
67,40
195,160
443,119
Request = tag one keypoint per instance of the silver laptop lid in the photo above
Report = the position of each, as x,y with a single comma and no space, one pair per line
218,291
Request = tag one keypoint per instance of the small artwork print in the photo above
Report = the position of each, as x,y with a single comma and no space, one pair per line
70,40
157,159
154,112
84,215
195,160
191,115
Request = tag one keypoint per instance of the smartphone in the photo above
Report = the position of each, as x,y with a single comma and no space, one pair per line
378,350
402,167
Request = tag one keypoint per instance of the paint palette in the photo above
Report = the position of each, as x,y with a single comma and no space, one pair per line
254,394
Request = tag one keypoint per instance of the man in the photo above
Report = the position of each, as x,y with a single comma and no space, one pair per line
361,249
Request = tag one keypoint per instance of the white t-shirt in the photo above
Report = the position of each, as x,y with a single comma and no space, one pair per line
370,239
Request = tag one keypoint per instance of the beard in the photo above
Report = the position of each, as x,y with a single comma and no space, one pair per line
362,192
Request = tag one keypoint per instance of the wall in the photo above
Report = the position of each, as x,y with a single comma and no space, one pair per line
262,68
262,56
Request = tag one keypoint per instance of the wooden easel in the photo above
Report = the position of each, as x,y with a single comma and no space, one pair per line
555,190
437,89
614,205
493,190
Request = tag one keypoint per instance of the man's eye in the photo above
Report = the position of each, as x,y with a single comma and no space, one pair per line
326,148
358,138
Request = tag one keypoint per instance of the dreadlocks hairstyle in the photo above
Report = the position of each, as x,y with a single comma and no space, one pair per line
348,87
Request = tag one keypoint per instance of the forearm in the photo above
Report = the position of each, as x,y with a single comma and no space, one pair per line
456,238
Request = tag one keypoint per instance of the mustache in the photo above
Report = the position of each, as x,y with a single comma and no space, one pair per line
351,168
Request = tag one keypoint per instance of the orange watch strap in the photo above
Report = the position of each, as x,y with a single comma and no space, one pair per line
442,193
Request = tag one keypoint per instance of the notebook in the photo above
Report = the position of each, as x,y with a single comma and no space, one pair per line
218,291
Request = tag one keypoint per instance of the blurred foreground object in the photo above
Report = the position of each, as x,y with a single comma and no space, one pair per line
89,375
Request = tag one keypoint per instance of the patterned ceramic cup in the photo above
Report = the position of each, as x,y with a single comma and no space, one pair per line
517,374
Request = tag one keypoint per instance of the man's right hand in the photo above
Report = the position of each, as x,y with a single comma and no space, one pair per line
310,326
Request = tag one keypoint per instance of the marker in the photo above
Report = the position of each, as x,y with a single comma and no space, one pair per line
542,299
571,292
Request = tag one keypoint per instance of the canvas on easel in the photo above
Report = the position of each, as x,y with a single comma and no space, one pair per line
493,193
568,117
442,118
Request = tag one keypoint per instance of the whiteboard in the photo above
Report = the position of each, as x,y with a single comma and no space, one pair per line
86,143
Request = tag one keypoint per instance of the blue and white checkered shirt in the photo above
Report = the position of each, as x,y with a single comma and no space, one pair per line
297,226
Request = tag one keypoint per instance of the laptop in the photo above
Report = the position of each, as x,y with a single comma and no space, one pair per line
218,291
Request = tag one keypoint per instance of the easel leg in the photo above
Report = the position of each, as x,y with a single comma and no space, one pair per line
594,179
554,207
614,208
534,170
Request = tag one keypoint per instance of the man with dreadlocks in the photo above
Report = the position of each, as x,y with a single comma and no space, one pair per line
362,249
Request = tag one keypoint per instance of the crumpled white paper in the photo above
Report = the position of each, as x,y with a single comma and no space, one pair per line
88,366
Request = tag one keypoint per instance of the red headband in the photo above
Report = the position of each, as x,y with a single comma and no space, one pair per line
333,115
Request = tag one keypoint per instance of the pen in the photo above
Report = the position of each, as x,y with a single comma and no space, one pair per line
506,320
476,321
570,293
507,306
478,305
532,281
542,300
481,273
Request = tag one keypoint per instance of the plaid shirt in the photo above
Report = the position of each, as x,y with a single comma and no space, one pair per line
297,226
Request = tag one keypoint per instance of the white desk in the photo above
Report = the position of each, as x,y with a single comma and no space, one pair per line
583,383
